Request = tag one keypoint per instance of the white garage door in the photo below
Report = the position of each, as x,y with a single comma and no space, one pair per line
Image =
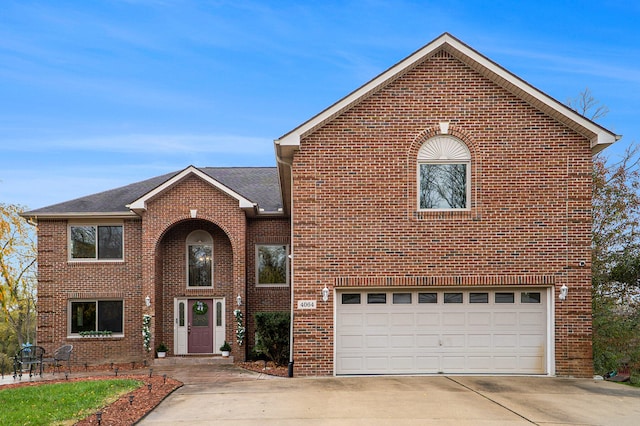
441,331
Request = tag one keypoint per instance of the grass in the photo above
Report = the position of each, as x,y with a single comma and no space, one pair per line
59,403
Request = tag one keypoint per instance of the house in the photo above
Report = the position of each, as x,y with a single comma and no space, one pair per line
435,220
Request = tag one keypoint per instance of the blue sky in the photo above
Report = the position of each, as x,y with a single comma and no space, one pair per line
98,94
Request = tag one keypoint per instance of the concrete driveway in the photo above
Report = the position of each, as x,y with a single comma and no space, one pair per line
236,397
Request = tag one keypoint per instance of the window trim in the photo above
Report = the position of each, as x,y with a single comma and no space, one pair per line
96,225
206,240
257,265
444,150
96,300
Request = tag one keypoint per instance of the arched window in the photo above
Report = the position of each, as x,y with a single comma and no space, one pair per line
199,259
444,174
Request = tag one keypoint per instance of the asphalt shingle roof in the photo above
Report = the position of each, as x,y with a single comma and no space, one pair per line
258,184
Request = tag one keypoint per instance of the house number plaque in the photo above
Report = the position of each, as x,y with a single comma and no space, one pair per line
306,304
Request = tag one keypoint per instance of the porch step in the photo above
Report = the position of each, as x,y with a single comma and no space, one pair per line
192,360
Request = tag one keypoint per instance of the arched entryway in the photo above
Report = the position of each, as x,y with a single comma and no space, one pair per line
194,276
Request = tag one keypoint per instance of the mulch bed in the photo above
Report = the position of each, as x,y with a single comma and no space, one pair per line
123,412
265,368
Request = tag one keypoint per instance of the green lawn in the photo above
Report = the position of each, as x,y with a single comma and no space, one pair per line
59,403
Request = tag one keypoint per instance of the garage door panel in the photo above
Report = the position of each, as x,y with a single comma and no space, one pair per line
479,340
454,318
377,319
509,319
506,336
480,363
479,319
402,341
351,341
401,363
427,364
532,340
427,341
505,340
431,318
348,319
402,319
454,363
531,318
377,341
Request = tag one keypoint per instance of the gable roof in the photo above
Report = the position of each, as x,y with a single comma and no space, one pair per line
255,188
600,137
289,143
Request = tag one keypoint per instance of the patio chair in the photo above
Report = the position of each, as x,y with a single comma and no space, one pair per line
29,357
60,356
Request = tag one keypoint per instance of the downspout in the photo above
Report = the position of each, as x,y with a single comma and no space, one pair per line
290,165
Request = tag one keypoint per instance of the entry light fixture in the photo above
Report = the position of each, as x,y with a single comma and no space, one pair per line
563,292
147,301
325,293
239,300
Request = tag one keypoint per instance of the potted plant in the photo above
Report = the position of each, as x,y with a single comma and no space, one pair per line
162,350
225,348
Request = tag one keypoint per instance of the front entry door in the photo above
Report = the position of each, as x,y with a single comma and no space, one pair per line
200,326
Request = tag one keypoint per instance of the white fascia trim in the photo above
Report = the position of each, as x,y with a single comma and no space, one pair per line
602,136
88,215
141,203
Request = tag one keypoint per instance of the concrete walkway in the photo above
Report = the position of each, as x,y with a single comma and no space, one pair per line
229,395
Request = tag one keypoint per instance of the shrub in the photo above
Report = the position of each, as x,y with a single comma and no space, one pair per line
272,336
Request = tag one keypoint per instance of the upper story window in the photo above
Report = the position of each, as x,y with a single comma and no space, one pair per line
199,259
444,174
96,242
272,265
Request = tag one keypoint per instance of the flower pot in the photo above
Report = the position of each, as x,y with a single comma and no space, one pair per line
225,354
162,354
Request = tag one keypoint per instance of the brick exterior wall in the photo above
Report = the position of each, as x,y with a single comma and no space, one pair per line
60,281
355,205
155,264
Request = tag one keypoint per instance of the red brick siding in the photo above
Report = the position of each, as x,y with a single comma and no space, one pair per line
264,299
355,202
227,224
60,280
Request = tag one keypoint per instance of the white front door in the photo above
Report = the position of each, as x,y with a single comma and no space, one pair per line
182,325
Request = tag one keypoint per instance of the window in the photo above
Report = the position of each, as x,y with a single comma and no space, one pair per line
529,297
504,298
374,298
97,315
427,297
401,298
444,174
351,298
478,297
453,298
199,259
96,242
272,265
